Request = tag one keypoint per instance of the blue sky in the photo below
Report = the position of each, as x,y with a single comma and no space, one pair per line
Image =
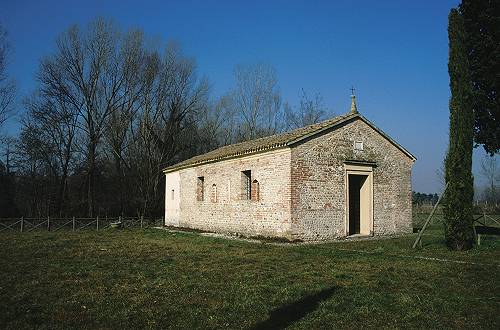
393,52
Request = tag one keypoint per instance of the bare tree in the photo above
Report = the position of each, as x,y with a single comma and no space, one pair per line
35,165
256,100
107,107
309,111
230,120
118,130
88,69
172,96
8,206
210,127
51,126
490,172
7,86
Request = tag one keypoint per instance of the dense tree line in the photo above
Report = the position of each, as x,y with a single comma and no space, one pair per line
110,111
420,199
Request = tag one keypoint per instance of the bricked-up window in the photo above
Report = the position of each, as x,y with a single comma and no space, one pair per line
213,195
200,189
246,185
255,190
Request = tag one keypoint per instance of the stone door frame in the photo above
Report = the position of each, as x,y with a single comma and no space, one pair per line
365,170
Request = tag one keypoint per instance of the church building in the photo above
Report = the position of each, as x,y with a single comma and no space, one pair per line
339,178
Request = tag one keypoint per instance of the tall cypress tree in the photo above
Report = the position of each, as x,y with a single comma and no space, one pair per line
458,163
482,26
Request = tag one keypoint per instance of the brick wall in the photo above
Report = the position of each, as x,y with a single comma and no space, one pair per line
266,213
318,183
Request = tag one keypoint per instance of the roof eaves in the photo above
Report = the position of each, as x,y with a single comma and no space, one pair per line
322,129
248,152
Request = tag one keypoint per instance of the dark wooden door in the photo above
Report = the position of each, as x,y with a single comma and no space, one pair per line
354,204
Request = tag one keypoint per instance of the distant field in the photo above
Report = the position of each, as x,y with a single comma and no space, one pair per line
157,279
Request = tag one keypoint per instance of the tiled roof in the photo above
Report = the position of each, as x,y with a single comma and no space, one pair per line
271,142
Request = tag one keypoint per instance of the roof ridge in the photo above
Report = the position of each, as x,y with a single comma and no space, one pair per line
286,132
260,144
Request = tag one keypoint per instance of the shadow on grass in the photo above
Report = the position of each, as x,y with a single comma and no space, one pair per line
284,316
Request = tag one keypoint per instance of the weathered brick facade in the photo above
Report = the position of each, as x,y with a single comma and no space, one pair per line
228,211
296,191
318,183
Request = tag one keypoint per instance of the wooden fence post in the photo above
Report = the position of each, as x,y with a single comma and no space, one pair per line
97,222
73,223
142,220
48,223
22,224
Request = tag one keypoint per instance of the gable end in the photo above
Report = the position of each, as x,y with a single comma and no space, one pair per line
347,121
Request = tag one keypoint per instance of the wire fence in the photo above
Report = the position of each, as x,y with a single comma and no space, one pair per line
437,220
76,224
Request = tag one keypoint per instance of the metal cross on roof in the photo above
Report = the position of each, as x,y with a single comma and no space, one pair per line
352,90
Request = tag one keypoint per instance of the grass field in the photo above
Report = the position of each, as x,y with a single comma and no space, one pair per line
157,279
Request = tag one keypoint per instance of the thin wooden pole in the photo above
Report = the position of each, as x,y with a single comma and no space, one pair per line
73,223
97,223
22,224
48,223
142,220
421,232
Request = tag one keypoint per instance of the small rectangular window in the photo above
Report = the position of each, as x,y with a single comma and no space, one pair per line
358,145
246,184
200,189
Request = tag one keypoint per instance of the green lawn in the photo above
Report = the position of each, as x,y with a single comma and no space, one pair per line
157,279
